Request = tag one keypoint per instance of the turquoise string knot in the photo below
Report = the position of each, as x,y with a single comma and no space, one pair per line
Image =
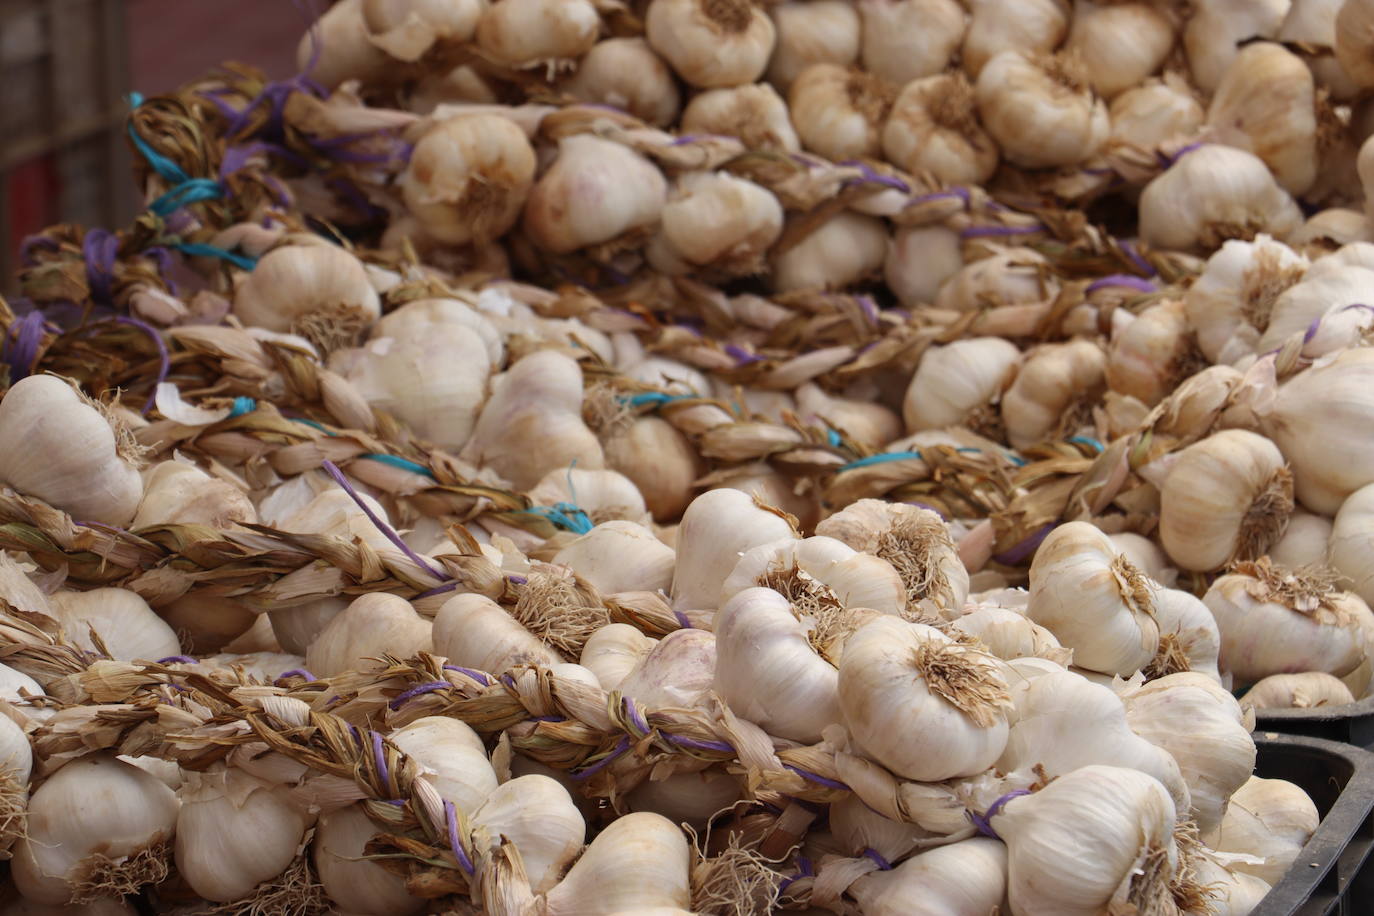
242,405
567,516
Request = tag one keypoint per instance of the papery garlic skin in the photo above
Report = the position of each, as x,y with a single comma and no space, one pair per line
97,823
1269,818
822,569
372,625
538,815
811,32
691,798
1351,540
1009,276
638,864
1306,690
179,493
129,629
1094,600
894,670
711,45
1008,634
1033,26
595,191
1040,112
1120,44
1278,124
838,111
626,73
677,672
295,281
932,127
1151,355
340,47
904,40
841,251
1354,49
1211,194
620,556
349,879
1226,498
1189,639
965,877
530,33
407,29
957,379
71,456
756,114
1230,304
468,178
613,651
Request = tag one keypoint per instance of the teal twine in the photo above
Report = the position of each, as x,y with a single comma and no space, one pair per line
1088,441
397,461
564,515
319,426
655,398
185,189
885,457
242,405
833,438
196,249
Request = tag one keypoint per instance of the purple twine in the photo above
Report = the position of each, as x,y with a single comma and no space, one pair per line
451,821
518,580
978,232
1128,249
437,590
877,857
804,870
741,356
961,193
870,307
333,471
21,350
297,672
1171,160
636,716
177,660
1023,550
621,747
984,823
164,361
414,692
32,243
684,741
816,778
683,620
508,679
478,676
688,138
236,157
163,258
379,758
1316,322
99,249
1127,280
872,177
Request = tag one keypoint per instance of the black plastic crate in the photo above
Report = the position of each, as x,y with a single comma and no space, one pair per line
1333,876
1350,723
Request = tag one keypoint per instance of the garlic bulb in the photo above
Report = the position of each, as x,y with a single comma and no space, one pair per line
620,556
1211,194
372,625
1304,543
601,494
123,622
407,29
756,114
1033,26
1008,634
1229,305
532,33
613,651
1052,392
859,420
717,528
475,632
857,827
711,43
821,576
1268,818
595,191
811,32
932,127
96,827
1307,690
349,879
1327,308
1197,721
1149,115
1354,46
1063,722
914,541
625,73
1011,276
532,423
839,112
1274,621
965,877
1146,555
1123,815
1151,355
73,457
179,493
958,380
1041,111
468,178
713,219
234,832
841,251
1216,29
1094,600
693,798
638,864
451,757
539,817
1278,124
297,286
892,668
904,40
676,672
1226,498
1188,636
660,461
919,261
1119,44
1350,541
208,623
1317,422
341,46
769,670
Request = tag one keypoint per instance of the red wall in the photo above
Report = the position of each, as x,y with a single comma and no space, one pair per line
172,41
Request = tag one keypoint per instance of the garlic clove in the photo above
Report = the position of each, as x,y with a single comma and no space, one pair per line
539,817
639,863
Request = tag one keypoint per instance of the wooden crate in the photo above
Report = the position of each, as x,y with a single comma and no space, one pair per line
63,82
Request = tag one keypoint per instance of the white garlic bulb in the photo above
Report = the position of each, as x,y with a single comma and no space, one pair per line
1119,44
1352,535
451,757
756,114
1009,276
372,625
713,219
903,40
638,864
1226,498
349,879
596,191
969,876
1230,304
341,47
1211,194
1328,308
1159,110
1040,111
957,380
538,815
1094,600
124,623
711,44
940,687
661,462
179,493
1033,26
933,127
1188,636
468,178
532,33
626,73
613,651
1216,29
820,575
1278,124
1269,818
717,528
407,29
1306,690
475,632
860,420
1151,355
72,457
843,250
295,284
1353,44
620,556
96,826
839,111
1304,542
811,32
1008,634
919,261
1052,390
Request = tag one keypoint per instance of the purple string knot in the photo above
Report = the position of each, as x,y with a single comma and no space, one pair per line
984,822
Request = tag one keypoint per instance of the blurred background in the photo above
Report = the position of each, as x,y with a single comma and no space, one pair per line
66,68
